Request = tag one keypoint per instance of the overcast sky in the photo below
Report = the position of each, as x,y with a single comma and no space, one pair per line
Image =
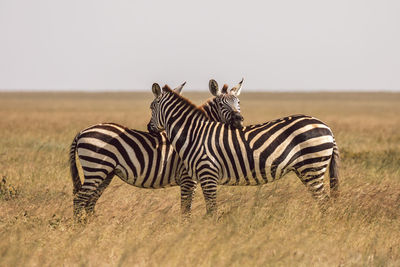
128,45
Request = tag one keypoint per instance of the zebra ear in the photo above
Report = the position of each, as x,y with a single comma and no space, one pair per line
179,88
213,86
156,90
236,90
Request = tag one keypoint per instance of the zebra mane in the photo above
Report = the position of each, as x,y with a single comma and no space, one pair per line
224,89
208,101
200,109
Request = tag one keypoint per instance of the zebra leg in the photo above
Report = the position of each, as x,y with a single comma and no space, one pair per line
84,195
207,175
209,187
188,187
79,203
314,181
89,207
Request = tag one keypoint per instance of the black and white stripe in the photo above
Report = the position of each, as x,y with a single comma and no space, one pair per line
257,154
139,158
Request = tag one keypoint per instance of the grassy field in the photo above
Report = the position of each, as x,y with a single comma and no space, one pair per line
277,224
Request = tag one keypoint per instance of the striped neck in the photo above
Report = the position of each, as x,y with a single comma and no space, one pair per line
178,114
212,110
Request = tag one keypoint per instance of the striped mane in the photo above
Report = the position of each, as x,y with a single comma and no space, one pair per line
210,102
187,102
224,89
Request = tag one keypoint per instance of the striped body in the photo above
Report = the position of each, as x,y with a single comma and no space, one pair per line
138,158
214,153
262,153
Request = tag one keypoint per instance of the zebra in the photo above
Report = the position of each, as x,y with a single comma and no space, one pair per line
139,158
214,153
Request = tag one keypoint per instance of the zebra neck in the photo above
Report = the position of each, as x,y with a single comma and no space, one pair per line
181,119
211,109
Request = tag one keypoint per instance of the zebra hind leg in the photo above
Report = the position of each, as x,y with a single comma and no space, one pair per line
89,207
314,182
82,198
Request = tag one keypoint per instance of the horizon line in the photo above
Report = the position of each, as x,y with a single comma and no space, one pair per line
200,90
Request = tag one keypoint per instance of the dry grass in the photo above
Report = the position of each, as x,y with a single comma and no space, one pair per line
277,224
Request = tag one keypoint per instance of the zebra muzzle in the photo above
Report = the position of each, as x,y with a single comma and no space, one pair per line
237,120
151,129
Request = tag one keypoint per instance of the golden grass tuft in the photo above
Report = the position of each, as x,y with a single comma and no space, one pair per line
7,191
278,224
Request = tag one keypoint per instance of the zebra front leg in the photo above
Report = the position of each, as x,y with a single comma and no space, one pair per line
89,207
188,187
209,187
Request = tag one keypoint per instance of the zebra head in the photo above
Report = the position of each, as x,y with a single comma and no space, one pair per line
227,103
156,124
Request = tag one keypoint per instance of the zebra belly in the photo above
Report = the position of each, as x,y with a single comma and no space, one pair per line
96,164
241,181
138,182
155,179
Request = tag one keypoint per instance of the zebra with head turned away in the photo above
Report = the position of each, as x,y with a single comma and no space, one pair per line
139,158
214,153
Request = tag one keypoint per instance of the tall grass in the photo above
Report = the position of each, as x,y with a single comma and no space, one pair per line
278,224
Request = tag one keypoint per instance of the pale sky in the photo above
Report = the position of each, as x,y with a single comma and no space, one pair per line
128,45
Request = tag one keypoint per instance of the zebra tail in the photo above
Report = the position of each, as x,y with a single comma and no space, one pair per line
76,180
334,172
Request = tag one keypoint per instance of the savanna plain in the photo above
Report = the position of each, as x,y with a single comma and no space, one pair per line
277,224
